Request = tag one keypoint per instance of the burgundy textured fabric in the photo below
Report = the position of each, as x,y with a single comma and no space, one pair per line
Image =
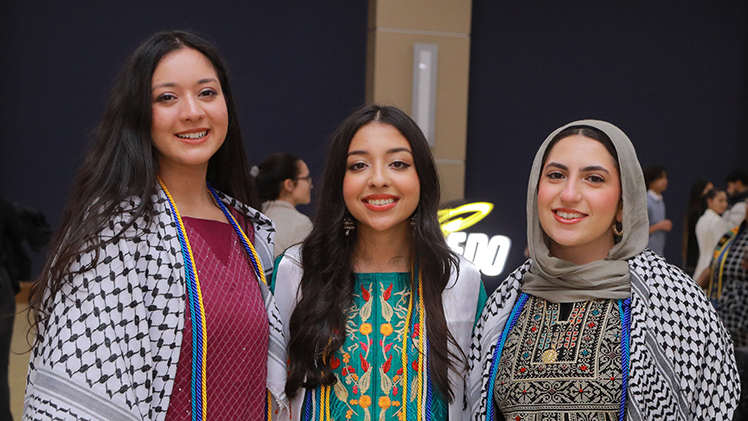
237,327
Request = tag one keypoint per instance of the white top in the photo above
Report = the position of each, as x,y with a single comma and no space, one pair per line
709,229
735,214
291,226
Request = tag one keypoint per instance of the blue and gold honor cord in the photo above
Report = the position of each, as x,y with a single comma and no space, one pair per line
198,386
718,266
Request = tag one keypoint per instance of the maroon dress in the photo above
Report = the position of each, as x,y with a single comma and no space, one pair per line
237,327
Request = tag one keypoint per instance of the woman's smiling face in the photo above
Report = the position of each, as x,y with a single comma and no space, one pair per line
190,117
579,198
381,186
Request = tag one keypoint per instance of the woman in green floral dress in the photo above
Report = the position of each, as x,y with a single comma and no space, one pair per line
378,310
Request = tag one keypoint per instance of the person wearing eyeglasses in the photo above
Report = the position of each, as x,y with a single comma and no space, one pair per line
284,181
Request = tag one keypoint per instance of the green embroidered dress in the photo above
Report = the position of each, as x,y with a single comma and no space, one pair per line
369,364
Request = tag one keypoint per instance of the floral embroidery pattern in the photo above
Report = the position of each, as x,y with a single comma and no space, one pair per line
368,365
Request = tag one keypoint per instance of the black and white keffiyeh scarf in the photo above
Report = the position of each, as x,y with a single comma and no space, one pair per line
110,347
682,362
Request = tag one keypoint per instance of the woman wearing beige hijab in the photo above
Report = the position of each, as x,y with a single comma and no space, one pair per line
594,325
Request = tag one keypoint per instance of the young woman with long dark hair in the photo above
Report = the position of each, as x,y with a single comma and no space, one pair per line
153,302
594,325
378,308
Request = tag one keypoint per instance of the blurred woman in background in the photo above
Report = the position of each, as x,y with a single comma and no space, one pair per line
728,286
694,211
283,182
709,229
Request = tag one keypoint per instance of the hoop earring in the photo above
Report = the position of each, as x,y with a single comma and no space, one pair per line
616,231
348,225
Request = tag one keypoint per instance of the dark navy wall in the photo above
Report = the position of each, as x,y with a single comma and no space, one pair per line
672,75
298,70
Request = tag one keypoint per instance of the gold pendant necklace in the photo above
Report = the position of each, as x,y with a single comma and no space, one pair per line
550,355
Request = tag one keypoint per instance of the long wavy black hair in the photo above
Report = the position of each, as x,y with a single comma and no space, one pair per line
328,279
121,163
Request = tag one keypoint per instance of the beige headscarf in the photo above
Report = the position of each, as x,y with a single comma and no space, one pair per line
560,281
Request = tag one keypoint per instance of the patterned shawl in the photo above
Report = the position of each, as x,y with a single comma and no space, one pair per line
682,362
110,347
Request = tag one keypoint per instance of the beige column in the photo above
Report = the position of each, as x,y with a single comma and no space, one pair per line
395,26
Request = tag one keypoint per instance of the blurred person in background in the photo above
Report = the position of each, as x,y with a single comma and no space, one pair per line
19,225
728,285
737,196
728,291
283,181
693,213
709,229
11,233
656,180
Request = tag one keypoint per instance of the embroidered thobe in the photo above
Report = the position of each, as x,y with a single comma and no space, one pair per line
682,365
555,370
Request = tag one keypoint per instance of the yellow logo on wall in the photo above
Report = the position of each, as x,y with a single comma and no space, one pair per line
489,255
448,218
